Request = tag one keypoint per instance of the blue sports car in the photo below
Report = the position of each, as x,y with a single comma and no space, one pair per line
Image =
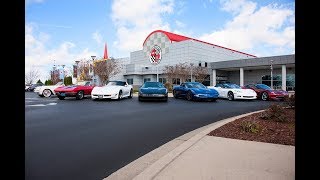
153,91
195,91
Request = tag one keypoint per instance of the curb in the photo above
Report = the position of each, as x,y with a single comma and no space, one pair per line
149,169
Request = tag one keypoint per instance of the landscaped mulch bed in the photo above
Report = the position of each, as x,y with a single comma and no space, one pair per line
270,131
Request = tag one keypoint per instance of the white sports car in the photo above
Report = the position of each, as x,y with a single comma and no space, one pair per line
233,91
47,91
113,90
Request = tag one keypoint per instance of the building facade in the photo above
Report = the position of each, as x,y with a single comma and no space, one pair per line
162,48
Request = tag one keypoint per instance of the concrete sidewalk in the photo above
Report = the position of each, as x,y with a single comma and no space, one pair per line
196,155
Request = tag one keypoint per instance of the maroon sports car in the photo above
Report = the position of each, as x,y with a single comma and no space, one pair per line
80,90
265,93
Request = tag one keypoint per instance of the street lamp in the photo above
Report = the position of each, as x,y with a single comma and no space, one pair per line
191,64
271,68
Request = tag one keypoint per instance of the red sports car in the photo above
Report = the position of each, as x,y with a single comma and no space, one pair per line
265,93
80,90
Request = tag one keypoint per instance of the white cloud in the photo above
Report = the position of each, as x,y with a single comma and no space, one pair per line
271,25
180,24
39,56
134,20
97,37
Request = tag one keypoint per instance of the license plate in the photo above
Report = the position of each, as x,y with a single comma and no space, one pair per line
100,96
62,94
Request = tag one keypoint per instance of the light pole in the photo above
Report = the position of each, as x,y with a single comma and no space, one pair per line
93,58
157,74
191,64
271,68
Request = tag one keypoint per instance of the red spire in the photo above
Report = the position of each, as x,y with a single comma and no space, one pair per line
105,56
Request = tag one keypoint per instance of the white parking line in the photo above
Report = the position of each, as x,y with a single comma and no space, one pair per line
50,104
37,105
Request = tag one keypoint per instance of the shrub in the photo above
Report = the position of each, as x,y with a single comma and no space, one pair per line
251,127
274,112
168,86
290,101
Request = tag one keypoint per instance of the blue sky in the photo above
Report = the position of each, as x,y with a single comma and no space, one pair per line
64,31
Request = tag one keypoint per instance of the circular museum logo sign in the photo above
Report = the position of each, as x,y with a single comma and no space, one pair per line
155,55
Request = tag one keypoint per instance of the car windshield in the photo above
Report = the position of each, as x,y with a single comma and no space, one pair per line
82,83
195,85
232,86
263,86
116,83
153,84
59,83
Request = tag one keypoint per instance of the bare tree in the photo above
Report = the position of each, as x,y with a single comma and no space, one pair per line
32,75
169,72
180,71
83,70
54,76
105,69
200,73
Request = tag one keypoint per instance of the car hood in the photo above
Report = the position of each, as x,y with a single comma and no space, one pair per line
152,90
66,88
106,89
281,92
204,90
244,91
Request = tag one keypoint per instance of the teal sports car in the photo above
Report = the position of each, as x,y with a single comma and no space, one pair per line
153,91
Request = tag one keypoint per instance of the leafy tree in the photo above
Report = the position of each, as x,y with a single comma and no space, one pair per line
39,82
48,82
68,80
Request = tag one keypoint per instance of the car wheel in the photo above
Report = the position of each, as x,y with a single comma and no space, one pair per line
175,94
264,96
131,93
46,93
79,95
41,95
230,96
139,98
120,95
61,97
166,99
189,96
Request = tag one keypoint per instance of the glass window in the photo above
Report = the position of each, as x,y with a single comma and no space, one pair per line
175,81
146,80
277,81
130,81
163,80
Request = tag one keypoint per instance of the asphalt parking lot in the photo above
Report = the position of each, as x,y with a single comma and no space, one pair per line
86,139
